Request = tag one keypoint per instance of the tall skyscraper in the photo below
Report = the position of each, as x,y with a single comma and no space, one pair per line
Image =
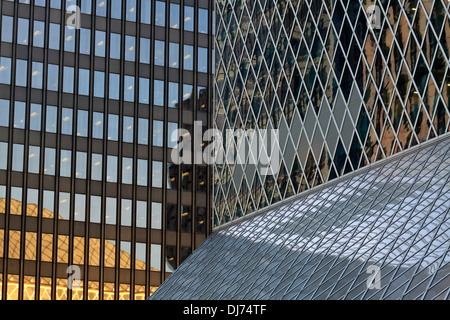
358,207
90,94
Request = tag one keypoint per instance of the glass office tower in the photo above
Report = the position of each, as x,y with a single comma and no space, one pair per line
359,92
87,112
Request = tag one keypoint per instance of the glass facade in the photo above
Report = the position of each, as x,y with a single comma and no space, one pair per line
343,91
390,221
85,124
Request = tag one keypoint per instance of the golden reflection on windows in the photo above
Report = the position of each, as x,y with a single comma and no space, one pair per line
45,289
77,293
61,289
78,250
14,244
93,290
124,292
108,291
63,249
30,245
13,287
2,242
47,247
110,254
29,288
94,252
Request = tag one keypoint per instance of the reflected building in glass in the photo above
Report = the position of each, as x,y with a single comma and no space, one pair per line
86,122
359,92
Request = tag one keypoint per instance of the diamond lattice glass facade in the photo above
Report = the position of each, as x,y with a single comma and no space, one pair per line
342,92
393,219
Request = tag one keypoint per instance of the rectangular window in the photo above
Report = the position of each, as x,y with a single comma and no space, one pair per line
4,111
141,214
67,121
130,52
114,86
33,159
188,57
68,79
51,119
96,209
86,6
126,212
131,10
100,43
83,82
97,167
49,161
143,131
159,53
22,31
174,54
128,123
188,18
21,72
127,170
158,93
156,215
114,50
99,84
48,204
141,256
64,205
111,169
157,174
80,207
173,95
36,74
160,14
35,117
172,134
187,96
202,58
175,16
203,21
155,256
101,8
85,41
144,89
146,8
158,133
128,88
144,55
4,157
66,163
116,9
113,127
17,158
69,39
81,165
7,28
111,211
82,123
53,37
38,33
19,115
5,70
52,77
142,172
97,127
